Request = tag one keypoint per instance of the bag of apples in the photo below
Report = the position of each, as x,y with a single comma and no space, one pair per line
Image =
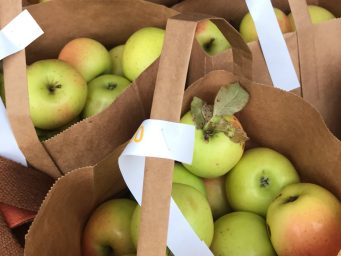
61,112
313,48
263,163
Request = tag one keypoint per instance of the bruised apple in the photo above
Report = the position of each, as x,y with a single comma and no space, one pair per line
107,232
219,137
305,219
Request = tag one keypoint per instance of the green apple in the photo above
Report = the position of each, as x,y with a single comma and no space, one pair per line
2,88
116,54
102,91
194,207
182,176
57,93
257,179
241,234
317,15
107,231
88,56
219,137
248,31
305,219
216,195
210,38
141,49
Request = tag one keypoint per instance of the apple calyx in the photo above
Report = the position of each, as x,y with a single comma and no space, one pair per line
53,87
212,118
264,181
111,86
207,46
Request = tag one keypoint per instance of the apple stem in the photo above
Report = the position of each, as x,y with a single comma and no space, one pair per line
111,86
291,199
208,45
52,87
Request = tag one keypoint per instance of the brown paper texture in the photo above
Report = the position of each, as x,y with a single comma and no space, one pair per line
314,50
90,140
272,118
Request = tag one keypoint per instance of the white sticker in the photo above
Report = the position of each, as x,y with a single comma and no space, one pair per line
18,34
162,139
273,45
8,146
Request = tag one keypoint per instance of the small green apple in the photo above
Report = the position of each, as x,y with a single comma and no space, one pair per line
210,38
216,195
57,93
107,232
241,234
102,91
194,207
182,176
248,31
219,137
317,15
141,49
116,54
257,179
305,219
88,56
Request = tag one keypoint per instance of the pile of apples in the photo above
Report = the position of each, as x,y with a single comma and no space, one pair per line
238,203
86,78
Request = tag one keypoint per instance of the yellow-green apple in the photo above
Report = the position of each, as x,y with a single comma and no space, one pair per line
141,49
107,231
116,59
219,137
210,37
241,234
2,88
57,93
216,196
182,176
194,207
102,91
88,56
305,219
317,15
248,31
257,179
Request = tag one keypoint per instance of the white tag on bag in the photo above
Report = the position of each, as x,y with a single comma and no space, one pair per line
163,139
275,50
18,34
8,145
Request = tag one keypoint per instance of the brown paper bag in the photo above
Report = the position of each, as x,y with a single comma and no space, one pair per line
85,143
314,50
283,122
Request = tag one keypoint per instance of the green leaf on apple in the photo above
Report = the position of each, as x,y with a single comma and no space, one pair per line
216,118
230,100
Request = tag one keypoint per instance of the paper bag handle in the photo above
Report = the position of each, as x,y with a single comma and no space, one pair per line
17,104
300,14
167,103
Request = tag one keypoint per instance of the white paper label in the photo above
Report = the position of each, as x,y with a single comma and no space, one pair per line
162,139
18,34
8,146
273,45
